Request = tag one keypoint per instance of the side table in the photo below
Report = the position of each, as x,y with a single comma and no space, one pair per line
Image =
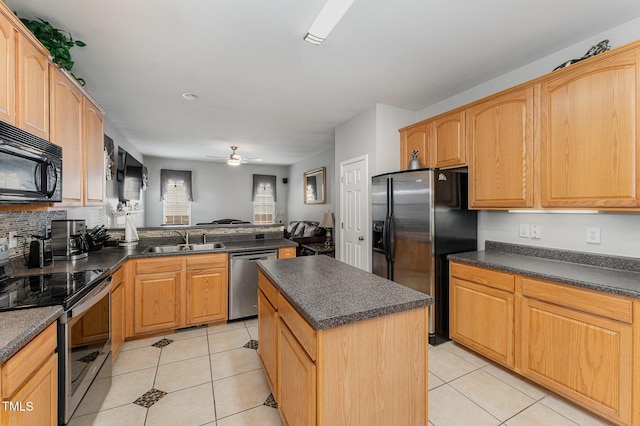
320,248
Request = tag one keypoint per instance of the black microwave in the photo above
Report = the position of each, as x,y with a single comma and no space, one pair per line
30,168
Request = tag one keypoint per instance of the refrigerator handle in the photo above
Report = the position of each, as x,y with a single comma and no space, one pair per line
391,239
385,239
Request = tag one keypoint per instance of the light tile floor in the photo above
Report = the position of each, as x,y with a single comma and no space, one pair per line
210,378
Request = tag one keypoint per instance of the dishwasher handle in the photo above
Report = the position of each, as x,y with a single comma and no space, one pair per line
254,256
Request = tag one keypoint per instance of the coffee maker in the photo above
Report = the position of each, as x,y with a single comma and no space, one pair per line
68,239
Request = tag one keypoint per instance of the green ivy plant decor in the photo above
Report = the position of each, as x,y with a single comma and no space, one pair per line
56,42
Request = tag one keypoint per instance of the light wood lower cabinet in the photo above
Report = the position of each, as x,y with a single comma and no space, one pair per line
578,351
479,298
268,332
577,342
297,383
333,376
178,291
286,252
30,383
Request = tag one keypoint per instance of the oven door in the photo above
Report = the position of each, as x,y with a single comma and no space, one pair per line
85,344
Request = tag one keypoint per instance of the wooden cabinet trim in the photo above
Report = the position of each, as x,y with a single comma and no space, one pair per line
27,360
488,277
206,261
618,308
301,329
159,264
270,291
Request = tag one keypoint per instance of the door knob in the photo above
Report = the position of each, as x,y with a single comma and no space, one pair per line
360,238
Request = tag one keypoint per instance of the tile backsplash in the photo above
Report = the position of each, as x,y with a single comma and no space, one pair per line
25,224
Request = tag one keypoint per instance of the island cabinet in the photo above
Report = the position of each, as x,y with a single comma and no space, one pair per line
590,141
577,342
170,292
331,375
480,297
414,138
268,331
29,383
118,311
501,145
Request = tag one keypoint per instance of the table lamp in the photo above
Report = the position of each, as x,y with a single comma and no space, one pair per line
327,223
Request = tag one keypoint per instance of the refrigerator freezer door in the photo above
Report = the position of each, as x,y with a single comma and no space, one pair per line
411,225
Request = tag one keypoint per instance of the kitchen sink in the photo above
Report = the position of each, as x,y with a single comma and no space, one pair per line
185,247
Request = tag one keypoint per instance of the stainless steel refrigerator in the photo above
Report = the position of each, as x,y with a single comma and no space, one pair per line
419,217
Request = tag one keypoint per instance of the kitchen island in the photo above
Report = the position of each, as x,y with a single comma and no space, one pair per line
340,345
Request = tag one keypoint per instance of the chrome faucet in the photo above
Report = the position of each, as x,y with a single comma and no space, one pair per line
185,237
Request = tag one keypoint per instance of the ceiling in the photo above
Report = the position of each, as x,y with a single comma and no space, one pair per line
278,98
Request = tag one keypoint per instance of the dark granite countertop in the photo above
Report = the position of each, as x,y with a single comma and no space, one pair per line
17,328
611,274
328,293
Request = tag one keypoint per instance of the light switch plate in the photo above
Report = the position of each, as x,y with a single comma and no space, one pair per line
524,230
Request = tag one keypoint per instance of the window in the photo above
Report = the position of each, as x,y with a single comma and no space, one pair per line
176,206
176,197
264,199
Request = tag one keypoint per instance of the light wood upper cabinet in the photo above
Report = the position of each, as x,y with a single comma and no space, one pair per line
501,141
67,132
7,70
33,88
590,142
414,138
94,154
447,140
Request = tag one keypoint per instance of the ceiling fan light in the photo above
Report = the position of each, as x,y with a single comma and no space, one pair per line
331,13
234,162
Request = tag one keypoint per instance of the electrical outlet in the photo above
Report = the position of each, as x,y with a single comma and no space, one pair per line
524,230
593,235
13,241
536,232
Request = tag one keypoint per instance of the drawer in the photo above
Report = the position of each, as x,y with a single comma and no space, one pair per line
23,364
618,308
300,328
159,264
207,261
286,252
269,290
488,277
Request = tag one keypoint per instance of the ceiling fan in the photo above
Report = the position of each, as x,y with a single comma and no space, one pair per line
234,159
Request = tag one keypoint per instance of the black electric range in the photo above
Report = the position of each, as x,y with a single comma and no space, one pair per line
58,288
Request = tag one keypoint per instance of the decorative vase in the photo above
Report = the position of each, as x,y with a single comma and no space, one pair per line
414,163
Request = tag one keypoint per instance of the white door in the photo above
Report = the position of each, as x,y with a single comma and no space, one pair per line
354,211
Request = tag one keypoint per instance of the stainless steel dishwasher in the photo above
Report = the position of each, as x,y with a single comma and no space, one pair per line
243,282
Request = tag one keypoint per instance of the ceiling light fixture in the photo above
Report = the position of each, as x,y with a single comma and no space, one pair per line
190,96
234,162
328,17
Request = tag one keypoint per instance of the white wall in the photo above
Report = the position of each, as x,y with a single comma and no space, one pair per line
296,208
373,133
219,190
620,232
